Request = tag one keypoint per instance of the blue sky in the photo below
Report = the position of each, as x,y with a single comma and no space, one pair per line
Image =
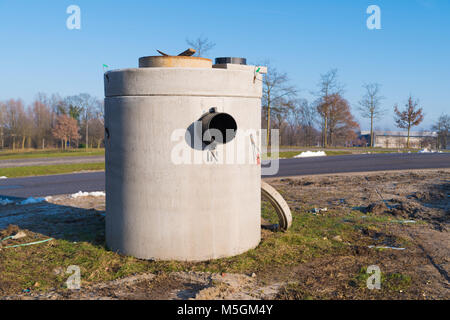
409,55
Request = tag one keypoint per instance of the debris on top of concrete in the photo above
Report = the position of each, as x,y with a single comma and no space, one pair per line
88,194
308,154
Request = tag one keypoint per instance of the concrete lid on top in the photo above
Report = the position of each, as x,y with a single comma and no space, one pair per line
174,62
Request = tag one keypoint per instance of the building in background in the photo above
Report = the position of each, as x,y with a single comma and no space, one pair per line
398,139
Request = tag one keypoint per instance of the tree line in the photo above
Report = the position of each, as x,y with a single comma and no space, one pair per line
52,121
328,120
77,121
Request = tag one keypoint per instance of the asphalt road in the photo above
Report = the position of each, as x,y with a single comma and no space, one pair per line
95,181
52,185
363,163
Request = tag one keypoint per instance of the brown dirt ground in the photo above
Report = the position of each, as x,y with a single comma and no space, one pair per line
421,271
421,196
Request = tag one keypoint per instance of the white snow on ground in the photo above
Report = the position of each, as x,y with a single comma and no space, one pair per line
5,202
88,194
426,150
30,200
308,154
382,247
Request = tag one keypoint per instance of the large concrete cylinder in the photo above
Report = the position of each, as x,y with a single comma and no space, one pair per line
167,197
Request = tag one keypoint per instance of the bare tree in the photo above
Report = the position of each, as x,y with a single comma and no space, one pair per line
410,117
17,122
278,96
370,106
41,115
97,130
303,118
328,85
82,107
442,127
201,45
2,124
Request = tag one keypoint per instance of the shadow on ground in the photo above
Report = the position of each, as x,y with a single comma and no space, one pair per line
75,224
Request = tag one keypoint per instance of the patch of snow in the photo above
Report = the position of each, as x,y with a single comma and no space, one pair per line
405,221
309,154
5,202
88,194
426,150
30,200
382,247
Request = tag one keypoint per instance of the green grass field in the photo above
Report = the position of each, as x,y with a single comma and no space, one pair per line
309,237
50,153
24,266
16,172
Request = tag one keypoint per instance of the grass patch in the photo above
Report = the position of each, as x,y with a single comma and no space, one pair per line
51,153
309,237
389,281
48,170
45,264
294,291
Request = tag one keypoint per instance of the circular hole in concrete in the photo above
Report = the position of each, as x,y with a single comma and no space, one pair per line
225,124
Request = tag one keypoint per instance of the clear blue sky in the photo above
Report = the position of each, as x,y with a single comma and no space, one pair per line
411,54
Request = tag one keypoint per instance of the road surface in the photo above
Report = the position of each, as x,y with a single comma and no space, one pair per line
95,181
363,163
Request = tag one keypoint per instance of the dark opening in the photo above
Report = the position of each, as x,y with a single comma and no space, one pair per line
223,122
